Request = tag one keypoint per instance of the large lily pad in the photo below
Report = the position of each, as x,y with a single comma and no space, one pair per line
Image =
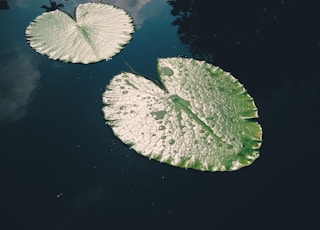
98,32
201,118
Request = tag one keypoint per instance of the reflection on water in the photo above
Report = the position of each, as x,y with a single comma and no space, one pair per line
53,6
23,3
205,28
4,5
133,7
19,77
259,43
62,168
288,102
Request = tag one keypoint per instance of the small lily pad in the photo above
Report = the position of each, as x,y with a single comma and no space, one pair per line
98,32
202,118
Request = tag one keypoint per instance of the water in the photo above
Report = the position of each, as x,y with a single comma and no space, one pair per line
62,168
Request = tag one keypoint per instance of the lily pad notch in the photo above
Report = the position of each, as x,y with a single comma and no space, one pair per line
204,119
98,32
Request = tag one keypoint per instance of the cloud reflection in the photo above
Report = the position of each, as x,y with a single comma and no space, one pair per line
19,77
133,7
23,3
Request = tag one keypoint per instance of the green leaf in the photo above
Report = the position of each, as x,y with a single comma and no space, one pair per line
98,32
202,119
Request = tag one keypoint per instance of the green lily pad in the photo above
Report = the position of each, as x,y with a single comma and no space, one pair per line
98,32
200,119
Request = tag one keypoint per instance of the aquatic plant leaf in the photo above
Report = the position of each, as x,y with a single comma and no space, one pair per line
200,119
98,32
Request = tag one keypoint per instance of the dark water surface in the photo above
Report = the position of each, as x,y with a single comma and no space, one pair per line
62,168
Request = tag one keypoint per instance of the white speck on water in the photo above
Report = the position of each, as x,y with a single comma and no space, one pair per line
59,195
